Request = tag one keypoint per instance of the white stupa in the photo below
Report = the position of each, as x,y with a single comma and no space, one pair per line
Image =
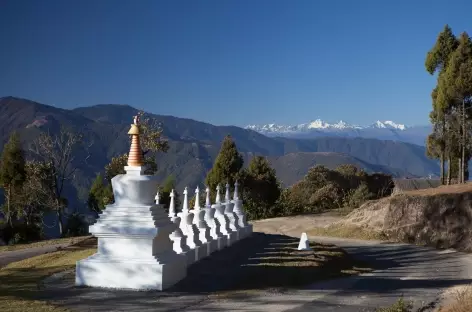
134,248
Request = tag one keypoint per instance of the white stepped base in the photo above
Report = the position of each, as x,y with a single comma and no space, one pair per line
231,238
212,246
245,231
198,253
221,242
97,271
202,251
190,256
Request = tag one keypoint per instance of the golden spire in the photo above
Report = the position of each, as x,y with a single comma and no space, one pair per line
135,156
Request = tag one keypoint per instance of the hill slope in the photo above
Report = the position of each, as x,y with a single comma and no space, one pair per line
437,217
402,156
194,145
293,166
386,130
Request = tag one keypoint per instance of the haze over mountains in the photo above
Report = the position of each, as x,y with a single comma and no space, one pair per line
382,130
194,145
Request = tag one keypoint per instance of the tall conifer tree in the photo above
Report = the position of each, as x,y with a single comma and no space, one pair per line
12,173
437,60
456,82
227,166
261,189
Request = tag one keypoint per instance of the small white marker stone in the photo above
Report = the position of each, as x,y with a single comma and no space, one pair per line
304,243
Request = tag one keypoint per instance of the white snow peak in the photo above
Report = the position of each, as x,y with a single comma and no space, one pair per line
319,124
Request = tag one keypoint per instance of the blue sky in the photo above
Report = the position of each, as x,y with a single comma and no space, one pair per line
229,62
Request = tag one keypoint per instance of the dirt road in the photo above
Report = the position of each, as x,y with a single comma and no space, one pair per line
416,273
7,257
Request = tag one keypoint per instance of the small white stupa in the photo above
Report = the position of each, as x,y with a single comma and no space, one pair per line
223,221
134,248
244,228
232,218
304,243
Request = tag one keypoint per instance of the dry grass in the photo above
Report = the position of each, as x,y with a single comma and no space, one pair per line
400,306
444,189
347,231
461,300
49,242
19,281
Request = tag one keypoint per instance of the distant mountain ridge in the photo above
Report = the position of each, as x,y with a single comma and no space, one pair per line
320,124
194,145
383,130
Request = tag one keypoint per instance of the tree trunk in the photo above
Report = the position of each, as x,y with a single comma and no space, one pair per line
441,171
449,169
9,214
443,154
28,216
459,172
466,170
463,143
60,222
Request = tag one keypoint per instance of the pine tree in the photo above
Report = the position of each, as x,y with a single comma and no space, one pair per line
438,57
227,166
261,189
457,86
437,61
164,193
12,173
100,195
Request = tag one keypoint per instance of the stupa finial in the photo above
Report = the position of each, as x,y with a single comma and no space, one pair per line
157,198
197,199
172,211
218,195
236,191
227,196
185,203
135,156
207,199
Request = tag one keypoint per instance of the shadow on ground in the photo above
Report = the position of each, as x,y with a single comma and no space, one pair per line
271,262
264,261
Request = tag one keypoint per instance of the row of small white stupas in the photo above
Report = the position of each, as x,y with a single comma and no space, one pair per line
204,230
141,247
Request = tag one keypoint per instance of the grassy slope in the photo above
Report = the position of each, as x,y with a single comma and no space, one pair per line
19,280
460,300
367,222
343,231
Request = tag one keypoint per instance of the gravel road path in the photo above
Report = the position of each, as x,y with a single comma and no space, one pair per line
416,273
7,257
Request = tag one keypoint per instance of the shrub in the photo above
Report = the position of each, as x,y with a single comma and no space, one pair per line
261,189
324,189
356,197
76,225
399,306
21,233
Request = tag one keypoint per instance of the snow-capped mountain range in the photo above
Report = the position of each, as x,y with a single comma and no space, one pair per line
384,130
320,124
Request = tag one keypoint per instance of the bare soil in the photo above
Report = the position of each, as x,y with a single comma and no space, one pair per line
295,225
49,242
444,189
